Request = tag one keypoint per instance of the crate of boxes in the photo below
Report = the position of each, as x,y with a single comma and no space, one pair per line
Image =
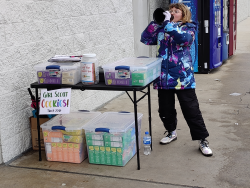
132,71
58,73
111,138
64,137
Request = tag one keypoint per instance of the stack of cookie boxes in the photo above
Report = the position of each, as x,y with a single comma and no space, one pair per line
111,138
64,136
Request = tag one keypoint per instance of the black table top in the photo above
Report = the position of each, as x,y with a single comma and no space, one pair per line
100,86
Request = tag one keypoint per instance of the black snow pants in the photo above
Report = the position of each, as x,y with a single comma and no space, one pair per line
190,109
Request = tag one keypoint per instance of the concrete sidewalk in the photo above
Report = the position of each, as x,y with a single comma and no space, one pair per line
179,164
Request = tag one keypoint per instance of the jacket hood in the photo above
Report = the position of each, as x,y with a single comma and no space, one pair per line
193,24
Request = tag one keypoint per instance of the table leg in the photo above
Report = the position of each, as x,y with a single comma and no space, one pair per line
149,115
136,130
38,125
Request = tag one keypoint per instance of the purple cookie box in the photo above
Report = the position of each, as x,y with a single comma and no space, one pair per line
47,79
111,80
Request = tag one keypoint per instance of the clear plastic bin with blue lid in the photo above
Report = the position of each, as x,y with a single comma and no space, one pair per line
111,138
64,136
132,71
58,73
68,124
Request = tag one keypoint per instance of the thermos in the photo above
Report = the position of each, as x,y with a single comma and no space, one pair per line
159,17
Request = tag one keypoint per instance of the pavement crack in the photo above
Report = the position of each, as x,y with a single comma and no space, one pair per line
103,176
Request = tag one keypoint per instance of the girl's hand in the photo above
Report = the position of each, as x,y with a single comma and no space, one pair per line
167,15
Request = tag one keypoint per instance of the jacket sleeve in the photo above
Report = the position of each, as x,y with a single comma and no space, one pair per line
149,35
181,37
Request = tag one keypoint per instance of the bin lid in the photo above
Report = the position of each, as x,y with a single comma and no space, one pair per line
114,122
63,66
134,62
72,121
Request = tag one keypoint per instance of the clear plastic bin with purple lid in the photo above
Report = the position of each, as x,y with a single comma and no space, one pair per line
132,71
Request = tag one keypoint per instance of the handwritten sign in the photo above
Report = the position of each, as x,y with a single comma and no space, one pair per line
55,101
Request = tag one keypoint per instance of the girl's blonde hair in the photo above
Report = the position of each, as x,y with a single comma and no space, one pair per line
186,14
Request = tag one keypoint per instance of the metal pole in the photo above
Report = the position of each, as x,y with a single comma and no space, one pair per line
38,125
136,130
149,115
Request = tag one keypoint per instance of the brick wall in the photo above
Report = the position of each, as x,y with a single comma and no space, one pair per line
32,31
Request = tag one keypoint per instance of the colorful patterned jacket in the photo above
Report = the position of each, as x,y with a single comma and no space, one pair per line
173,42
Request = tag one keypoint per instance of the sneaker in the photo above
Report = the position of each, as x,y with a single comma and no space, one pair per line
203,147
169,138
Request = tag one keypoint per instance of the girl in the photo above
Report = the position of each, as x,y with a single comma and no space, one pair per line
173,40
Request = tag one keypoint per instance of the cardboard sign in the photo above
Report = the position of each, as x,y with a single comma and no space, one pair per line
55,101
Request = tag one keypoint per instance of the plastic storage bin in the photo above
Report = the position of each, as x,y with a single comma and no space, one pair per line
132,71
58,73
64,138
111,138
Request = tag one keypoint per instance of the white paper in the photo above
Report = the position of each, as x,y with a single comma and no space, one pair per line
55,101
